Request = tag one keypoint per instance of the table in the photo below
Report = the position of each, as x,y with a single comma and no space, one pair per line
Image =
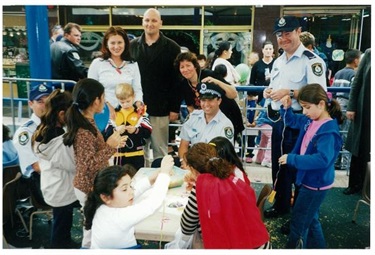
163,224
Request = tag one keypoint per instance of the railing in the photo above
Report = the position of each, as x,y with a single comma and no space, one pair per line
63,84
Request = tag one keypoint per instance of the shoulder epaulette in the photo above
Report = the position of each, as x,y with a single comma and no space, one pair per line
309,54
28,123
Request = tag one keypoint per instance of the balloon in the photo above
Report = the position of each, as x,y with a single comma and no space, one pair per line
244,71
101,119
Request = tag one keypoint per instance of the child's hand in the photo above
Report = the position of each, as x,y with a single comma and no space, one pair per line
286,101
167,164
121,129
130,129
283,159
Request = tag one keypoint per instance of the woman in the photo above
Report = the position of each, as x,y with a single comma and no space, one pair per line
222,54
193,75
116,66
91,152
221,207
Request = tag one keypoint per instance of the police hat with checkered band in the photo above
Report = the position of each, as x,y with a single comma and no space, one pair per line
39,91
286,24
209,90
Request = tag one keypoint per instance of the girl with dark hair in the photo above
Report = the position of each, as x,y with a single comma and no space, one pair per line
314,154
116,66
57,166
222,54
91,152
111,210
220,206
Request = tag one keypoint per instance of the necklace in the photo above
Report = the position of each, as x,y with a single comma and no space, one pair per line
118,69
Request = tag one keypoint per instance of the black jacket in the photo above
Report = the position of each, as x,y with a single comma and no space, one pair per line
65,61
158,76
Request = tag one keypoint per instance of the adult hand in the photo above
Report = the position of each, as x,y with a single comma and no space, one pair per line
267,92
283,159
276,95
116,140
286,101
350,115
173,116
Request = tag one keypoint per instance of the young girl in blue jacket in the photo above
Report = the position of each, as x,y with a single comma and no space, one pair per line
313,156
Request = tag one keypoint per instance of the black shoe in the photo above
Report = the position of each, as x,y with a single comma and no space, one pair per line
351,190
285,228
273,213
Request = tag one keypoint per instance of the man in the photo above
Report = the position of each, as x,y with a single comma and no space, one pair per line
22,141
57,33
66,63
155,54
295,68
208,123
344,78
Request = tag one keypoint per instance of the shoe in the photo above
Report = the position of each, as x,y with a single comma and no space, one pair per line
267,164
285,228
249,160
273,213
258,163
351,190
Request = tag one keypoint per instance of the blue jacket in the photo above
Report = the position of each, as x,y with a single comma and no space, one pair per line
316,167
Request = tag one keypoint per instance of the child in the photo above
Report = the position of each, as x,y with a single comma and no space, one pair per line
112,210
91,152
251,103
313,156
136,126
56,162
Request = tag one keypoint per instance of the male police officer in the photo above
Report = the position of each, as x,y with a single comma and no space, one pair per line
210,122
295,68
22,141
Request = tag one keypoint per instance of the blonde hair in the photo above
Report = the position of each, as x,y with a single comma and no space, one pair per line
124,91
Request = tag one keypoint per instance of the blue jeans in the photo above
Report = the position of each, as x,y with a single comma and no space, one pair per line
305,228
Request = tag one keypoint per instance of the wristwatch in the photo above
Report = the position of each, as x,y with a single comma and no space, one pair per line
291,93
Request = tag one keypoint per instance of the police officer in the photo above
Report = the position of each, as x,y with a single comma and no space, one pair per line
296,67
208,123
22,141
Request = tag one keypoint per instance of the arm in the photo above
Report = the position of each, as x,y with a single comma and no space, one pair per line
230,91
190,217
184,146
137,84
76,65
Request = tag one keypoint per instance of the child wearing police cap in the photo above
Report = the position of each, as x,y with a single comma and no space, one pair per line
22,142
133,123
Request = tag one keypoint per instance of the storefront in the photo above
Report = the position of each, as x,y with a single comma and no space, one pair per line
199,28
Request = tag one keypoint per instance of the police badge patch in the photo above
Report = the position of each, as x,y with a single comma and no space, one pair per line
317,69
228,132
23,138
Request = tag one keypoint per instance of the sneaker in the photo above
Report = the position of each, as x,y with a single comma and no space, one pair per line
249,160
266,164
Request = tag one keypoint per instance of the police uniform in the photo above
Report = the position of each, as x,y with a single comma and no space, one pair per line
195,129
22,143
302,68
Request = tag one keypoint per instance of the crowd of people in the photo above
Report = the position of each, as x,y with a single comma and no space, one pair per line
67,161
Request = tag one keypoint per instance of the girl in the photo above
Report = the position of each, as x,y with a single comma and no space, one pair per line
221,207
57,166
91,153
111,209
313,156
116,66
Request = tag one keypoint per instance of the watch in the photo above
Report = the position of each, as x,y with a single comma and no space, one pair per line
291,93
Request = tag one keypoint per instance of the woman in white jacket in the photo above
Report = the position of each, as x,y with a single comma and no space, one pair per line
57,166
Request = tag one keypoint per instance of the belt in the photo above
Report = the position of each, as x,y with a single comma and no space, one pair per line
129,154
317,189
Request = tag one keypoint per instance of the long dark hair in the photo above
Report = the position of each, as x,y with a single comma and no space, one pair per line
204,158
225,45
225,150
314,93
84,94
57,101
111,31
105,182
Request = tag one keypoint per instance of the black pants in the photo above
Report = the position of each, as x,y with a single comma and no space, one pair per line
62,224
357,172
282,142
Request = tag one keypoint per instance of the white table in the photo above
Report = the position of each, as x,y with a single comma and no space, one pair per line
162,225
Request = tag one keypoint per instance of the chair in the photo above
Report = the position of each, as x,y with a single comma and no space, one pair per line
365,192
39,209
264,193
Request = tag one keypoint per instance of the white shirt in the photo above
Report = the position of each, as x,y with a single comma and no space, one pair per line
102,71
113,228
232,75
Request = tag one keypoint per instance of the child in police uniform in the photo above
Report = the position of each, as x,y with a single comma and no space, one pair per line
133,123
